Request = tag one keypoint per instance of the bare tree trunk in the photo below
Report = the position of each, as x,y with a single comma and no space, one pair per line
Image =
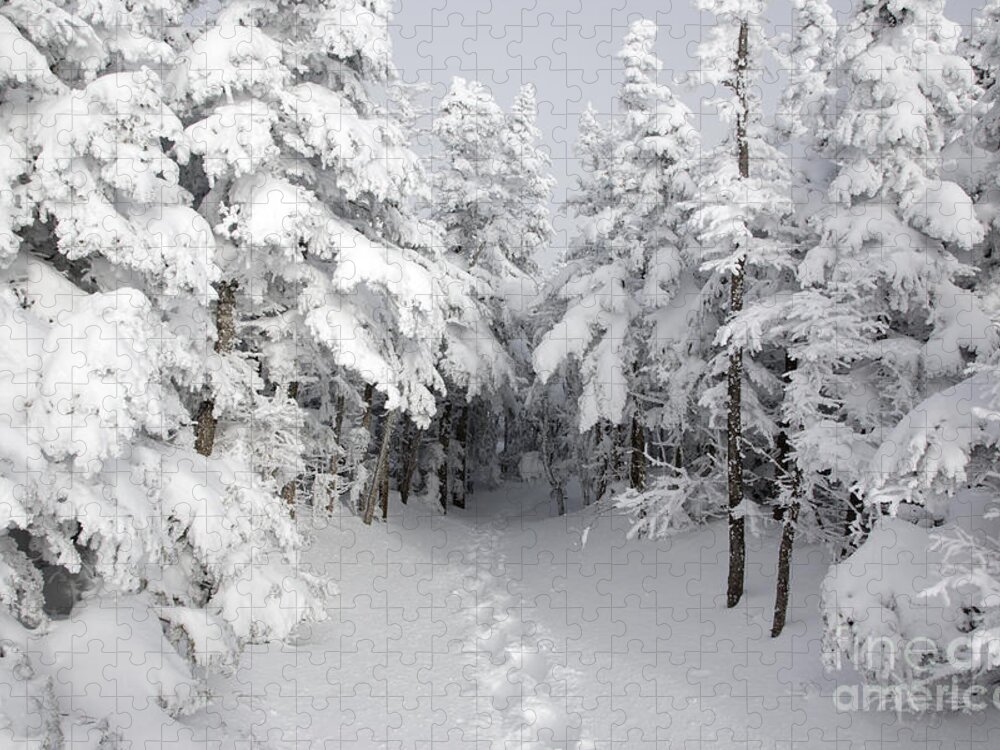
556,492
381,469
225,327
444,438
384,494
338,432
604,432
366,422
462,439
785,565
411,448
637,464
288,491
734,376
788,475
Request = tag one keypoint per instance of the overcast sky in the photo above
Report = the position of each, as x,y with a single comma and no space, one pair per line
566,48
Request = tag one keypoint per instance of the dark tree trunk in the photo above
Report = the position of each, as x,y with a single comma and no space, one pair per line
856,524
734,468
462,441
225,328
411,449
384,494
204,435
785,474
366,419
789,476
605,444
444,437
338,432
366,422
734,377
637,464
622,452
556,492
288,491
381,469
785,566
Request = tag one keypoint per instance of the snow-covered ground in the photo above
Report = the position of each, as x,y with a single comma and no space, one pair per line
495,627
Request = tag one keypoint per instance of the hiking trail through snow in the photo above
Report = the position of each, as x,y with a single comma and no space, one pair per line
527,691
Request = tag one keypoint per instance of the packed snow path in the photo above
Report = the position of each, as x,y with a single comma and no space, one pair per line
494,627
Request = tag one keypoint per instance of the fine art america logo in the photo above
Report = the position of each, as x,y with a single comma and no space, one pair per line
919,675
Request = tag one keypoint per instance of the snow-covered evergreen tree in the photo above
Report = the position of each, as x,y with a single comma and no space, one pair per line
740,219
492,189
617,297
105,296
888,315
889,319
311,188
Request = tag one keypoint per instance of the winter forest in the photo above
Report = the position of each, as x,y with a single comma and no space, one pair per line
313,435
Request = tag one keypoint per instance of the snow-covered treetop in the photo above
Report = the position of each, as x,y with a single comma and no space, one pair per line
627,262
717,51
805,100
904,87
641,66
494,185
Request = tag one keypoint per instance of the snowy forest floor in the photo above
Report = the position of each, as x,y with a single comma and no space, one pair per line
494,627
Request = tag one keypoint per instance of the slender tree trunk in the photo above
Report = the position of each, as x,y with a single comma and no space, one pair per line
508,459
288,491
623,452
734,377
366,419
381,469
604,433
788,475
462,440
366,423
338,434
734,467
786,469
637,464
785,565
225,327
444,438
782,460
411,448
856,526
556,492
384,494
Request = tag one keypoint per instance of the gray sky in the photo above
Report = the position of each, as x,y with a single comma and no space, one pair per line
566,48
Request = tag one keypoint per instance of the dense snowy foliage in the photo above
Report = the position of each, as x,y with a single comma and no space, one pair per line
233,295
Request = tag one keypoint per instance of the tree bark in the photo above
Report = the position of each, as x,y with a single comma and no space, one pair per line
384,494
786,470
381,469
225,328
338,431
366,423
734,376
444,438
557,492
288,491
788,475
637,464
411,448
785,566
462,440
856,525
